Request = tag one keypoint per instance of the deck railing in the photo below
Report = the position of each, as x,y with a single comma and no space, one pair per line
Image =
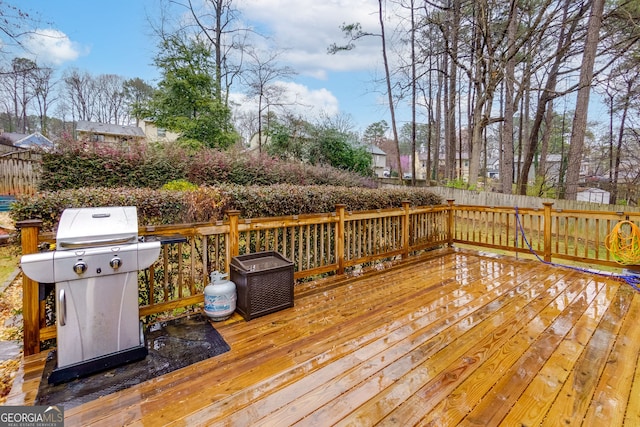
334,243
554,234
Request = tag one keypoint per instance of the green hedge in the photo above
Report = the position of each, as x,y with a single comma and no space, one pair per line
75,166
209,203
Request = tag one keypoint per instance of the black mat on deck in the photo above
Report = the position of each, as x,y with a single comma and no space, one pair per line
172,345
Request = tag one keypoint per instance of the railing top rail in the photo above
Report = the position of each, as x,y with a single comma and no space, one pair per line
187,229
506,209
378,213
286,221
430,208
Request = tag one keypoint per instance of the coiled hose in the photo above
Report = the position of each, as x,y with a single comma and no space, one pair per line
626,243
623,243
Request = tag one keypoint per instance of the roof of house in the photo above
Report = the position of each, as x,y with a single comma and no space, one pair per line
593,190
13,136
554,158
374,149
36,139
109,129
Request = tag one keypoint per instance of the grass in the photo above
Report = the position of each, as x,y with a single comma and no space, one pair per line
9,259
10,306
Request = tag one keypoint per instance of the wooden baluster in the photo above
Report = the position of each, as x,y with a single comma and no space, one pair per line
547,231
233,245
340,237
450,223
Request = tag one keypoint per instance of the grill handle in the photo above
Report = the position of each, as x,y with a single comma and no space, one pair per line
62,304
103,242
166,240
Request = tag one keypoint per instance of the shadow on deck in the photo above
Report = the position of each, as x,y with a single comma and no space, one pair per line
454,337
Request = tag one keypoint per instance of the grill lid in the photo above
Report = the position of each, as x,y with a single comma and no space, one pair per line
101,226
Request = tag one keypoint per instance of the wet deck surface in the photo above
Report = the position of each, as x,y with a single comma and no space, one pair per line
456,338
171,345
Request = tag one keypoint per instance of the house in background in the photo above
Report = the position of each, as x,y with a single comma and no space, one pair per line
154,133
12,141
379,160
108,133
35,140
257,143
461,168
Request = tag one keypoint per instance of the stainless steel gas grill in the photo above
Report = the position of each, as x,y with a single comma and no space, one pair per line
95,269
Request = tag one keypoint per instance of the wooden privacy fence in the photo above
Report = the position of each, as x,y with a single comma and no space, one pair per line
19,173
332,243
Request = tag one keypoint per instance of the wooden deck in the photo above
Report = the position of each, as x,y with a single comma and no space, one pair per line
453,338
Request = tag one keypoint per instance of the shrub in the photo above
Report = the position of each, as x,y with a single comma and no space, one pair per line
180,185
208,203
154,206
78,164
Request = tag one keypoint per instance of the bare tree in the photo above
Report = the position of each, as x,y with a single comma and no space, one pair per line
414,85
582,102
450,32
625,82
44,95
261,76
81,93
565,40
17,85
355,32
506,170
387,73
110,99
13,25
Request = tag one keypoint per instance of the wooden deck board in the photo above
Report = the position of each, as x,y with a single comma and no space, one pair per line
453,338
613,391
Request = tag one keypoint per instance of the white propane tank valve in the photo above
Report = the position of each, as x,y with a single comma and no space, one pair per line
219,297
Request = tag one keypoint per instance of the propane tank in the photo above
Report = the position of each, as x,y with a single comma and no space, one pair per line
219,297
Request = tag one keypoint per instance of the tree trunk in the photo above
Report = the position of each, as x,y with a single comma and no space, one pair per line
582,103
392,110
413,95
564,43
450,126
541,171
475,144
506,167
438,120
616,166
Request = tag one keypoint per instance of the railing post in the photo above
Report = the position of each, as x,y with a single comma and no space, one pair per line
233,248
340,238
450,223
547,230
29,230
406,205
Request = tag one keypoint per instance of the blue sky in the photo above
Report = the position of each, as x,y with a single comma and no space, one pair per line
114,37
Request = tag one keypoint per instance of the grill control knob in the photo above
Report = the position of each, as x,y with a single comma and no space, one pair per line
115,263
80,267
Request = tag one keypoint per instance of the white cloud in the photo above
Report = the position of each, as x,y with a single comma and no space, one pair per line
316,102
309,27
54,47
296,99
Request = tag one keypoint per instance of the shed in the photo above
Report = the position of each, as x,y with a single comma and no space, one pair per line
594,195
